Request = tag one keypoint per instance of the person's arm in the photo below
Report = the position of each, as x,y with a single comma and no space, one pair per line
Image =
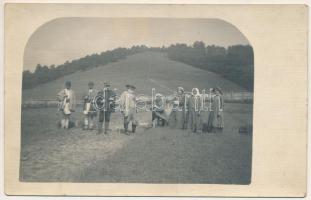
199,104
73,101
217,105
134,101
122,101
60,95
85,97
222,103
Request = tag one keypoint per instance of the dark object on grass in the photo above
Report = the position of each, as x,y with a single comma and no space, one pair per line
246,130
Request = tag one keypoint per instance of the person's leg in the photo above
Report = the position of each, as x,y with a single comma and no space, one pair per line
186,119
195,121
125,123
134,127
204,128
204,121
86,122
217,124
154,120
67,121
210,122
172,120
179,119
100,122
134,122
221,125
189,121
107,120
63,121
192,120
198,123
91,122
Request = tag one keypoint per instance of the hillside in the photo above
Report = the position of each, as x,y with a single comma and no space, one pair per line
144,70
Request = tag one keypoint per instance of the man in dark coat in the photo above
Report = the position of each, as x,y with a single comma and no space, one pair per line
105,102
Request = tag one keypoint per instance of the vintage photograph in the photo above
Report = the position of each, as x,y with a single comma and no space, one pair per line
137,100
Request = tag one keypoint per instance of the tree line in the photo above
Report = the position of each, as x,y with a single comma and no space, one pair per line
44,74
235,63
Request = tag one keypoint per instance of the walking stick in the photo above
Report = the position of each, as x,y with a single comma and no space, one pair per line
104,122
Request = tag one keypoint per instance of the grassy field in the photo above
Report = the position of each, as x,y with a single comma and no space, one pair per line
145,70
157,155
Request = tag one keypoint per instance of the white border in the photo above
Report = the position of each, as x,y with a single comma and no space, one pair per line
3,196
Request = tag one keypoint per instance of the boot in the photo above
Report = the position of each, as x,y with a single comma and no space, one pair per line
133,128
100,128
91,124
126,128
106,127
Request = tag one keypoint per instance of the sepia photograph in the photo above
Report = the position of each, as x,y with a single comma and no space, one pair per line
155,100
144,100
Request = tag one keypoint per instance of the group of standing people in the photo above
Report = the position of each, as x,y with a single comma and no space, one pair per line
98,102
183,111
189,111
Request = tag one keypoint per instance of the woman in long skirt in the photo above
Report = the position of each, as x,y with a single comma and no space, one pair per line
177,116
181,111
216,118
205,110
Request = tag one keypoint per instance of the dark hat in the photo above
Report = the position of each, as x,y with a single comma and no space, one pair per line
68,83
218,89
106,83
130,86
91,83
212,89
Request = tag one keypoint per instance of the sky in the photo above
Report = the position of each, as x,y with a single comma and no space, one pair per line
66,39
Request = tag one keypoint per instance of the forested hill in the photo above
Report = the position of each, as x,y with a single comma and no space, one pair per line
235,63
146,70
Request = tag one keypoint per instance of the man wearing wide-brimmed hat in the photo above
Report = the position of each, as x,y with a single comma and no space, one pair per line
128,108
107,101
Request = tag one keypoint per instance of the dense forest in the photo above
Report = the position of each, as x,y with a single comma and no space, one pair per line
235,63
